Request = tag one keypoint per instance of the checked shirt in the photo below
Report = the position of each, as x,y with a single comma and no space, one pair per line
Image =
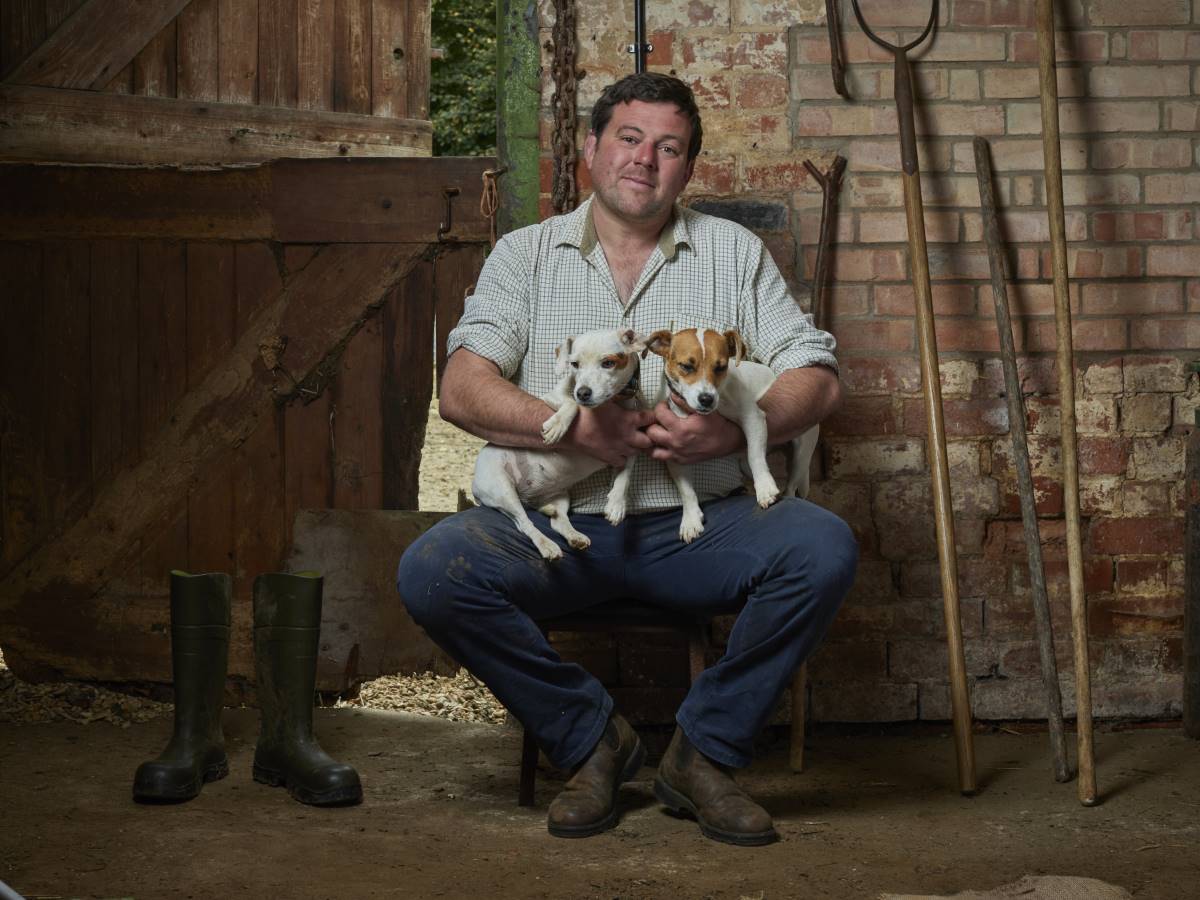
546,282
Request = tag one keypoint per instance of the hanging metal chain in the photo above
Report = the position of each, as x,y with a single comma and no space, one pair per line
565,193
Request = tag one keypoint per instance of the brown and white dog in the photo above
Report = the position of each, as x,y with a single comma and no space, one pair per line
708,371
592,368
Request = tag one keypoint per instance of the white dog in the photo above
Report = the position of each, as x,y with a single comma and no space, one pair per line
707,370
593,368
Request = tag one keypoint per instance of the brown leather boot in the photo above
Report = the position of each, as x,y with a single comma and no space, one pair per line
588,802
688,782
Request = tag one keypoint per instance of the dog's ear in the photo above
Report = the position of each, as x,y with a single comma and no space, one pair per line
562,357
634,341
659,342
737,347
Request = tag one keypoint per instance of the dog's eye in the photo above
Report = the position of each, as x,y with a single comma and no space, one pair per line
687,368
574,364
608,364
721,367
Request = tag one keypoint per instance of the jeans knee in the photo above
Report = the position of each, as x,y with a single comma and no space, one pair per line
826,562
423,585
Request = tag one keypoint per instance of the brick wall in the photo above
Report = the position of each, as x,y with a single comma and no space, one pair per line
1129,79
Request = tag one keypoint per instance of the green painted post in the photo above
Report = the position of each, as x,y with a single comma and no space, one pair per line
518,102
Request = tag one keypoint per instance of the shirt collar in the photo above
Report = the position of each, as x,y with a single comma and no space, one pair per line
579,230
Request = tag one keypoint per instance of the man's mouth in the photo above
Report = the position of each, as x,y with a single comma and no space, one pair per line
640,182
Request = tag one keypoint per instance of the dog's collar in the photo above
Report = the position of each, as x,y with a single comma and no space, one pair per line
634,383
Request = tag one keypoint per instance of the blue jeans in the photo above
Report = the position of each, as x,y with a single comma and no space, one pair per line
476,585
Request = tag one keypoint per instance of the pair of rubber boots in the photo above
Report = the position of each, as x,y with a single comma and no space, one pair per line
287,626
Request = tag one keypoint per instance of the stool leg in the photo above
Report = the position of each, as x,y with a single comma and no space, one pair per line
797,739
529,759
697,640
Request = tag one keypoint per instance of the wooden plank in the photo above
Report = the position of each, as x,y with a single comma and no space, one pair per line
308,457
49,125
258,281
454,275
58,11
258,495
66,391
277,49
210,544
22,28
199,76
154,67
352,56
292,201
211,307
47,612
122,82
96,42
389,57
23,517
356,390
420,42
407,385
314,51
238,69
114,357
165,548
162,335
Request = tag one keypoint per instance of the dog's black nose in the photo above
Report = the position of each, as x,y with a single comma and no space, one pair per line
706,400
583,394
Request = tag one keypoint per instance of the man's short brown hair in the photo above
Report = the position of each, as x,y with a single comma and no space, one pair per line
650,87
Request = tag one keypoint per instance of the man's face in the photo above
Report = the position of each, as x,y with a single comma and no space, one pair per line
639,164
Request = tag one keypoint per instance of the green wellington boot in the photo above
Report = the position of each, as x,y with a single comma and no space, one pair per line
199,656
287,630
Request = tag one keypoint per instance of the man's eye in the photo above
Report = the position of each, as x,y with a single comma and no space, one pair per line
670,151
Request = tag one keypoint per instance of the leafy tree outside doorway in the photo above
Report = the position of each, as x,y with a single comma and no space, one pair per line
462,91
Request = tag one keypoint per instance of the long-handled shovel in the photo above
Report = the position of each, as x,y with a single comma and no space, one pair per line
943,513
1016,425
1052,154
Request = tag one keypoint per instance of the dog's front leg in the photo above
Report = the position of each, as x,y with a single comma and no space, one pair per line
799,462
754,427
618,494
557,510
692,524
562,398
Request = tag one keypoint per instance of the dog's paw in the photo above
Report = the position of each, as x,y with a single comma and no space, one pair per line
554,428
691,527
766,492
549,550
580,541
614,511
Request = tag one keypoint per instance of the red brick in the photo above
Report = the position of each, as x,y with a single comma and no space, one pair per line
1047,498
1089,335
866,701
713,175
1165,334
1143,12
862,416
1139,81
1142,153
1171,261
996,13
1181,115
977,577
1076,46
848,660
825,121
761,91
1155,45
663,43
948,300
856,335
787,176
963,418
1173,188
1103,455
1098,262
1140,536
870,265
881,375
1141,576
969,335
1135,616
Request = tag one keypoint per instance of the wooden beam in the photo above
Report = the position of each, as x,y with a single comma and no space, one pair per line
96,42
48,614
39,124
316,201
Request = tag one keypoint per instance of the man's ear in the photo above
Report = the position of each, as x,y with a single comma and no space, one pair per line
562,357
589,148
737,347
659,342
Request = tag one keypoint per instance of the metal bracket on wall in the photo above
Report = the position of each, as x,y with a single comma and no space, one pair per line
639,48
448,221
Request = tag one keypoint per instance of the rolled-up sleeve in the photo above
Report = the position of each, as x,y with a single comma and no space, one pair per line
779,333
495,321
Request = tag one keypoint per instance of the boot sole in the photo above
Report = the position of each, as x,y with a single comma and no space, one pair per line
678,803
627,774
190,791
343,796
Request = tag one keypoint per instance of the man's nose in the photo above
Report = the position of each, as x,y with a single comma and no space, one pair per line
646,155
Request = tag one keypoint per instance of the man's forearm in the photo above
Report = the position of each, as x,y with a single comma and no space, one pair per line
799,399
478,399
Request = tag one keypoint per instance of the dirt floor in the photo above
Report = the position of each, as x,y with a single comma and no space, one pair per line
873,813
